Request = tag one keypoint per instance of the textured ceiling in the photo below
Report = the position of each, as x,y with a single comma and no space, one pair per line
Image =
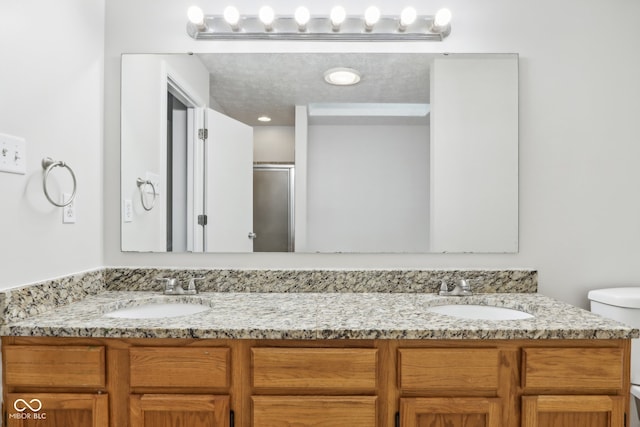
247,85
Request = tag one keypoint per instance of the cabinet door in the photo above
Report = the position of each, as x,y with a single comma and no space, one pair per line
314,411
169,410
450,412
57,409
583,411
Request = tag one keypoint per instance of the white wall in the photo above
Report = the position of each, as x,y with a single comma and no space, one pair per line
51,86
579,176
274,144
367,188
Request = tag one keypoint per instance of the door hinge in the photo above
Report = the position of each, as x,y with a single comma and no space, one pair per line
203,134
232,421
202,220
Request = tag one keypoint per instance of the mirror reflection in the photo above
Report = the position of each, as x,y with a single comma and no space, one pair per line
261,153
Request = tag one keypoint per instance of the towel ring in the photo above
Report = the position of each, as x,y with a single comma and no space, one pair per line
142,184
48,164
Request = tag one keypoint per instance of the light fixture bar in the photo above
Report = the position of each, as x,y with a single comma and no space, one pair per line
319,29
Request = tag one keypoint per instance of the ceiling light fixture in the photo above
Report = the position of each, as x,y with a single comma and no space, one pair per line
342,76
371,26
264,119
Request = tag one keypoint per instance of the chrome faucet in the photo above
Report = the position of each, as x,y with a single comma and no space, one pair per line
462,288
172,286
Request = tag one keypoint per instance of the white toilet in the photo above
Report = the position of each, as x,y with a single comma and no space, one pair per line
623,305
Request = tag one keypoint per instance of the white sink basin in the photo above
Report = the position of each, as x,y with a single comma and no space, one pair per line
158,310
480,312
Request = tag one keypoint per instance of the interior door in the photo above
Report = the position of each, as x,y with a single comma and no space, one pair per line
228,199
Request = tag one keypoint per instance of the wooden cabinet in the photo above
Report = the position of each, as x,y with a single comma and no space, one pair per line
56,410
302,411
170,410
567,411
53,366
200,367
51,386
90,382
342,383
455,375
451,412
577,386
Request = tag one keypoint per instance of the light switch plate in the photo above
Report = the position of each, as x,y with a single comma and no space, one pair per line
13,154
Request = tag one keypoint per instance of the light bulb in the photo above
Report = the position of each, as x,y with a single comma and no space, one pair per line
302,17
371,17
232,16
195,15
443,17
266,16
338,15
407,17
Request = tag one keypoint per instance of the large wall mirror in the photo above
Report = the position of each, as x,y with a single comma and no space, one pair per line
258,152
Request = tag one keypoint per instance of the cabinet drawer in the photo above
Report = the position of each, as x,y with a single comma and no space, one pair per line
52,366
572,368
314,368
448,369
179,367
325,411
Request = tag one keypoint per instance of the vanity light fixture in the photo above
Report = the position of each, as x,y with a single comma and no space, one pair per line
341,76
441,21
337,16
232,17
266,16
371,17
407,17
196,17
371,26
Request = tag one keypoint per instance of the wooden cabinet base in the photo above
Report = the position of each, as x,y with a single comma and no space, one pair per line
149,382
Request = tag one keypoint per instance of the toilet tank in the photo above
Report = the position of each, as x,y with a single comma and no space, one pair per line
623,305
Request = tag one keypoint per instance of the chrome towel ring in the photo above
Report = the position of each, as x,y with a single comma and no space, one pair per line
142,184
48,164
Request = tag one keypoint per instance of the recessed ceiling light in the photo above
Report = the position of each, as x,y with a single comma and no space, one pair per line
264,119
342,76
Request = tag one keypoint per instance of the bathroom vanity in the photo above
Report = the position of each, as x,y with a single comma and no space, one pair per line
316,359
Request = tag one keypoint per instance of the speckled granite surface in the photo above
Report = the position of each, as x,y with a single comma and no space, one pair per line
20,303
321,316
482,281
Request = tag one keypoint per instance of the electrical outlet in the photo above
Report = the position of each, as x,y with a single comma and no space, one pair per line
69,211
13,154
127,210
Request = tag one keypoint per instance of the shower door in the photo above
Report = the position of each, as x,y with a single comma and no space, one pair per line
273,208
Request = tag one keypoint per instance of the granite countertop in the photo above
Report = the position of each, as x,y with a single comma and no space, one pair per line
319,316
